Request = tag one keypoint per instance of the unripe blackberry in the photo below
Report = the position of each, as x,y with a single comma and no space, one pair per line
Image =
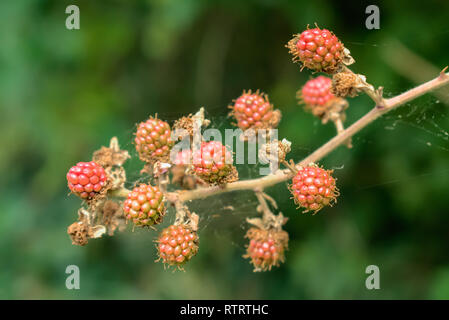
144,205
212,162
177,244
183,158
313,188
317,49
266,248
317,96
254,111
317,91
86,179
153,140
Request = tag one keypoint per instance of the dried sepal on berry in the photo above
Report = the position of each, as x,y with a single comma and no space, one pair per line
110,156
349,84
319,50
177,244
212,163
78,232
314,188
111,159
275,151
254,111
266,248
84,229
190,125
116,177
184,127
144,206
112,216
153,140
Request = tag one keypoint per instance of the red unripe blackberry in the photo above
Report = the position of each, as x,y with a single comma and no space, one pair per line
177,244
266,248
317,92
144,205
313,188
86,179
153,139
212,162
254,111
318,49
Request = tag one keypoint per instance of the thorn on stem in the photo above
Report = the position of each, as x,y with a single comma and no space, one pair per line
443,72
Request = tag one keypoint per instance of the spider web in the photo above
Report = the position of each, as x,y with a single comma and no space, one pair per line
225,215
230,209
426,121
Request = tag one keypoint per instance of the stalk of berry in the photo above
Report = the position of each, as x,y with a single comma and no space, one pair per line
87,179
254,111
319,50
212,162
153,140
177,244
144,205
314,188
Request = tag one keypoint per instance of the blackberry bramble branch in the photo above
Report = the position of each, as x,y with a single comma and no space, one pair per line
208,170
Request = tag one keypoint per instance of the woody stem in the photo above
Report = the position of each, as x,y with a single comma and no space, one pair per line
387,105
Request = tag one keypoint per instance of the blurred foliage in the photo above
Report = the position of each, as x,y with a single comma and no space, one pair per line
64,93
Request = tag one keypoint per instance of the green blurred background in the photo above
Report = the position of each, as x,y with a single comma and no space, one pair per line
63,94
